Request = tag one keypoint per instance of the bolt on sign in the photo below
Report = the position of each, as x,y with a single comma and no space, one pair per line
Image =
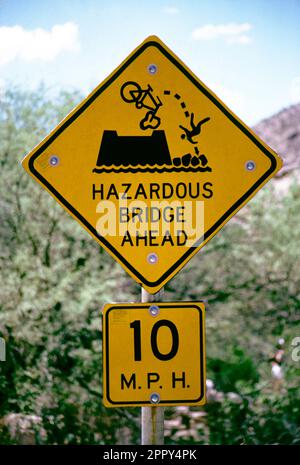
152,164
153,354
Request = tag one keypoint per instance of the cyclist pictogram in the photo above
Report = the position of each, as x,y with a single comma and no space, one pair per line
131,92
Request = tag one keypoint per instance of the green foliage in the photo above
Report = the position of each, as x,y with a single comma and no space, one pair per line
226,374
55,279
263,419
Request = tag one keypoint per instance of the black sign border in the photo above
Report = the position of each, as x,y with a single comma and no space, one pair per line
144,308
176,265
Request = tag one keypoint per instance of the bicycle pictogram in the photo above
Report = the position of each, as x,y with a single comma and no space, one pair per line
131,92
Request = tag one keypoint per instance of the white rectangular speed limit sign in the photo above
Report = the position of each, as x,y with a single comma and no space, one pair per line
154,354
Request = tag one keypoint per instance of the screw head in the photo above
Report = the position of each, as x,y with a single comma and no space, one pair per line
250,165
54,160
152,258
154,310
154,398
152,69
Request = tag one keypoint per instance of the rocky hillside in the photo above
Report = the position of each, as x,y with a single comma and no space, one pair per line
282,133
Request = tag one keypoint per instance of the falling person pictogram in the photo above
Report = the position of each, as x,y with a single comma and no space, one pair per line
194,131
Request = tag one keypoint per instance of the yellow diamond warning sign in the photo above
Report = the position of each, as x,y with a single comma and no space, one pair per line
154,354
152,164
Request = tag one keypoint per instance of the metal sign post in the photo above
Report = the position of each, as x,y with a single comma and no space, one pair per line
152,418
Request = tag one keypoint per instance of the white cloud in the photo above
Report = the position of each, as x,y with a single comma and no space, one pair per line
37,44
231,32
171,10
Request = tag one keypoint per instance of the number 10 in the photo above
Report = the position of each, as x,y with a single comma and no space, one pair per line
136,326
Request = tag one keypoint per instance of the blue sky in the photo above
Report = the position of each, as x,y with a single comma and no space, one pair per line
247,52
